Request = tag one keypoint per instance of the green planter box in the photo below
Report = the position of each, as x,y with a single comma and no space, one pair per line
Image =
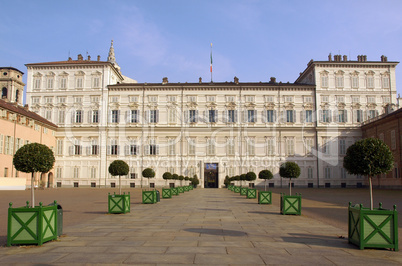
243,191
175,191
191,187
251,193
377,228
180,189
291,204
166,193
236,189
149,197
230,187
186,188
32,225
265,197
119,203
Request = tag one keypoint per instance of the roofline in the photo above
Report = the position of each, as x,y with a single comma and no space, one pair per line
13,68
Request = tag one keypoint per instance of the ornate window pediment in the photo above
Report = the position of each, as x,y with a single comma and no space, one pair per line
289,106
79,73
211,105
64,73
230,105
38,75
50,74
308,106
133,105
96,73
250,105
192,105
341,105
269,105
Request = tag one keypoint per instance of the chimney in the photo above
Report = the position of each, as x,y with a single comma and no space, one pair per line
89,58
364,58
165,80
236,80
272,80
345,58
80,57
200,80
98,58
329,57
70,59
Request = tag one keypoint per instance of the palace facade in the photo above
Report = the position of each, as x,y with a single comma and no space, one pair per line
208,129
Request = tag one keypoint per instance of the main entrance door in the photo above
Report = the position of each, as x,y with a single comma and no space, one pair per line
211,179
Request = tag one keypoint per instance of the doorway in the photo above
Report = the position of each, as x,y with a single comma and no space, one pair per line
211,179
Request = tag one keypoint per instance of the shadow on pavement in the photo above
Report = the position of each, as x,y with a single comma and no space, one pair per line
216,232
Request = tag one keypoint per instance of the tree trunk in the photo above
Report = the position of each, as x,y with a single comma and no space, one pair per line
119,184
265,185
290,187
32,191
371,193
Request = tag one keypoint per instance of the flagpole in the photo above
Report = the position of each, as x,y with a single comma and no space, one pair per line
211,63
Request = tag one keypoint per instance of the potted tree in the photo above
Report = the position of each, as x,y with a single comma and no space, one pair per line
175,190
195,181
181,188
119,203
290,204
149,197
32,224
371,227
265,197
166,192
187,185
226,182
251,192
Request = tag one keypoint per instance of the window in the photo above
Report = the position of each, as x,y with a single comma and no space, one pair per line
59,147
153,116
79,83
342,146
308,99
355,99
63,83
326,146
251,116
192,116
95,116
211,99
48,99
370,99
133,99
324,81
231,116
290,146
210,147
385,82
134,116
1,143
270,146
309,173
358,116
308,116
289,99
153,149
230,146
270,116
386,99
230,99
94,147
172,147
172,99
308,142
343,173
172,115
269,99
77,99
49,84
324,99
290,116
5,172
76,172
153,99
61,99
35,100
37,82
251,147
339,81
372,114
340,99
325,116
355,82
94,99
78,116
327,172
192,99
250,99
62,116
96,82
342,116
93,172
212,116
191,146
133,149
370,82
114,147
59,172
76,148
115,116
48,114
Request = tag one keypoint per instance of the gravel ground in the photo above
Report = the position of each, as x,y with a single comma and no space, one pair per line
83,204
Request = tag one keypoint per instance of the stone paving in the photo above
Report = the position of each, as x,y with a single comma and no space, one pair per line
203,226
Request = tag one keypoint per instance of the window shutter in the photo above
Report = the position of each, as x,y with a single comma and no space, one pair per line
302,116
186,116
274,116
235,116
196,116
127,117
118,116
346,116
157,149
336,116
146,149
71,150
108,149
72,116
109,117
138,149
204,117
354,116
88,150
376,112
118,150
127,150
244,116
225,116
321,116
294,116
264,116
216,116
282,117
157,116
255,116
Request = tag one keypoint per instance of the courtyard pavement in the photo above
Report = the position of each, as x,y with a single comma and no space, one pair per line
202,226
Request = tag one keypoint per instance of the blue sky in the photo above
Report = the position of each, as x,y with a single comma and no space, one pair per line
253,40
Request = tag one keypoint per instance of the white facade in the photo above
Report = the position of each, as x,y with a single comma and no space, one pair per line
185,128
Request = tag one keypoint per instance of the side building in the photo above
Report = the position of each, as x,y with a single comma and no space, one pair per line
211,130
19,126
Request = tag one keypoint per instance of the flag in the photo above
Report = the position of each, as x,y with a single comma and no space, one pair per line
211,57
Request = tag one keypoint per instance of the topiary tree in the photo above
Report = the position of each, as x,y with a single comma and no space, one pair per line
181,178
195,181
251,176
167,176
226,181
368,157
32,158
186,178
242,177
289,170
266,175
148,173
175,177
119,167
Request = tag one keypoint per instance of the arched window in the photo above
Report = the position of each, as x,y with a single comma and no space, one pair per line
4,93
17,96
